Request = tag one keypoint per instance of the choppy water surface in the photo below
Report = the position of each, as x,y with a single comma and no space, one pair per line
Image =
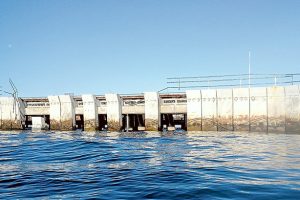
56,165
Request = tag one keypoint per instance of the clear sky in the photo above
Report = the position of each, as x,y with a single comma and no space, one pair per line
131,46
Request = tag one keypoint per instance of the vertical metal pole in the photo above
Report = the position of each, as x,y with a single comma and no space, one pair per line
249,70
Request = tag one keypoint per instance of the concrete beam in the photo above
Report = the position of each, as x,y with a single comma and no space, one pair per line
90,112
152,111
10,114
194,110
114,112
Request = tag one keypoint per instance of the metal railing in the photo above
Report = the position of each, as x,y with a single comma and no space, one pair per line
231,80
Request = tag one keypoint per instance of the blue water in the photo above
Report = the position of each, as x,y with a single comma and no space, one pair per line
214,165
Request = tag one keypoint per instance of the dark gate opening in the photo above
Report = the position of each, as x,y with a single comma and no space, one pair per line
133,122
79,122
173,122
102,119
28,121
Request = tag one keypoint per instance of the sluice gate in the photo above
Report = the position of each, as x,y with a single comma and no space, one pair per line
259,109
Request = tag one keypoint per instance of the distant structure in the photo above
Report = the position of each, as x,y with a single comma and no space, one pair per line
210,103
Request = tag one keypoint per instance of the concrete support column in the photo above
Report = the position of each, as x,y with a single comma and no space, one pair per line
194,110
90,112
62,113
10,114
152,111
241,108
55,110
225,108
258,110
292,108
114,112
276,109
209,110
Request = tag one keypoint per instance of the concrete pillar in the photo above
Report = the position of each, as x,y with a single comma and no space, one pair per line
241,109
90,112
11,114
152,111
194,110
114,112
225,110
292,108
258,110
276,109
62,112
209,110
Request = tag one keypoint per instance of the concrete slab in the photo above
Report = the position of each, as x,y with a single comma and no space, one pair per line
209,110
258,109
241,109
225,110
276,109
194,110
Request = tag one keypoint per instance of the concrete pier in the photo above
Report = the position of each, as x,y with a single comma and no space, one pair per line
62,113
258,110
292,108
209,110
90,112
114,112
194,110
225,110
152,111
11,114
261,109
241,109
276,109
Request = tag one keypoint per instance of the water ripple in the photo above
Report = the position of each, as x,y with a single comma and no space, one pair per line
152,165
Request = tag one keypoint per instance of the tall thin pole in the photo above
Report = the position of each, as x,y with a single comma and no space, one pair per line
249,70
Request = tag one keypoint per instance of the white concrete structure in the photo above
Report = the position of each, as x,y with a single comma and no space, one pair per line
241,109
225,110
114,112
258,109
276,109
292,108
62,112
262,109
90,112
194,110
152,111
11,116
209,110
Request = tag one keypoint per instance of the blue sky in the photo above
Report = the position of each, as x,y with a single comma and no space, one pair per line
131,46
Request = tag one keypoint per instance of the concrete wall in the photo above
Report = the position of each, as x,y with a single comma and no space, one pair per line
90,112
194,110
152,111
258,110
241,109
10,114
114,112
225,110
209,110
62,112
292,109
276,109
